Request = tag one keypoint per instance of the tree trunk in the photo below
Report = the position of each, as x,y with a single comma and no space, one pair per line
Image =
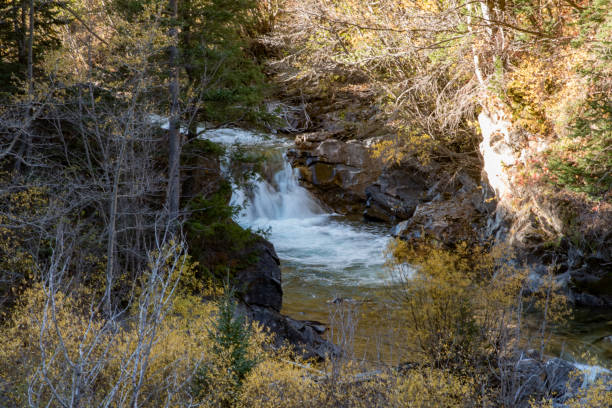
475,56
25,150
112,231
28,139
174,147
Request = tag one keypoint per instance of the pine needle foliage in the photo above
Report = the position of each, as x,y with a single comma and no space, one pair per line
14,37
582,162
230,338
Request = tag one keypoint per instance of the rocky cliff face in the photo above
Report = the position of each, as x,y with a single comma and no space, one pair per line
548,227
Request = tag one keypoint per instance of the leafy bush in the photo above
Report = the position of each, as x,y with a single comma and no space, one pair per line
454,302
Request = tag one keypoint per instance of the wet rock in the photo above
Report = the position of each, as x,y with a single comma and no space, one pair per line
316,326
349,179
305,336
374,211
449,221
401,229
353,154
258,286
337,172
260,282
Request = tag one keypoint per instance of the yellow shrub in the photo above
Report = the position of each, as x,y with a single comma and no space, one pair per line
38,341
453,304
44,344
435,388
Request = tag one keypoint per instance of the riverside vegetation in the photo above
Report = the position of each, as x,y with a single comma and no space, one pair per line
125,281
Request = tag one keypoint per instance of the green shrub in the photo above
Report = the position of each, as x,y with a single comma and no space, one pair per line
218,244
230,336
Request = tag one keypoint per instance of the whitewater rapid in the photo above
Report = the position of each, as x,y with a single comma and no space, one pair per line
315,245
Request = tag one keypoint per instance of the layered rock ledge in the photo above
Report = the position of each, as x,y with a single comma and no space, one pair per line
422,199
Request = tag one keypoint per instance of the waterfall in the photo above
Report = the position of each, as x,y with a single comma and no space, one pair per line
283,198
314,245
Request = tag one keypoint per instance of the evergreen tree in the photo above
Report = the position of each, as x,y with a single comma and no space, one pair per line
214,49
584,162
230,335
14,37
221,80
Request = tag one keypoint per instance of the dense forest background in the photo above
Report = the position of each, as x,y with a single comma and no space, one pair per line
117,245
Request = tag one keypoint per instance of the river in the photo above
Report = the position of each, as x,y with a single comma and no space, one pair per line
333,267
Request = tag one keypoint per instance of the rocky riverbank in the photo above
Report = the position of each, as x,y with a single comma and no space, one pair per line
426,200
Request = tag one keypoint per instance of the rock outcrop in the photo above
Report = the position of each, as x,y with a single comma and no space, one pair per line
548,227
460,219
259,288
305,336
259,284
424,199
338,172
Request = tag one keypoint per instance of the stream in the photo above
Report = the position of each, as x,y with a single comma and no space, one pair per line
333,266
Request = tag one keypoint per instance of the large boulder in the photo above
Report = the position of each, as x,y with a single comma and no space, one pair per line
449,221
456,214
259,287
260,282
556,379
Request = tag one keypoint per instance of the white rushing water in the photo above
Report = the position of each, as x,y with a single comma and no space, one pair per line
314,245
